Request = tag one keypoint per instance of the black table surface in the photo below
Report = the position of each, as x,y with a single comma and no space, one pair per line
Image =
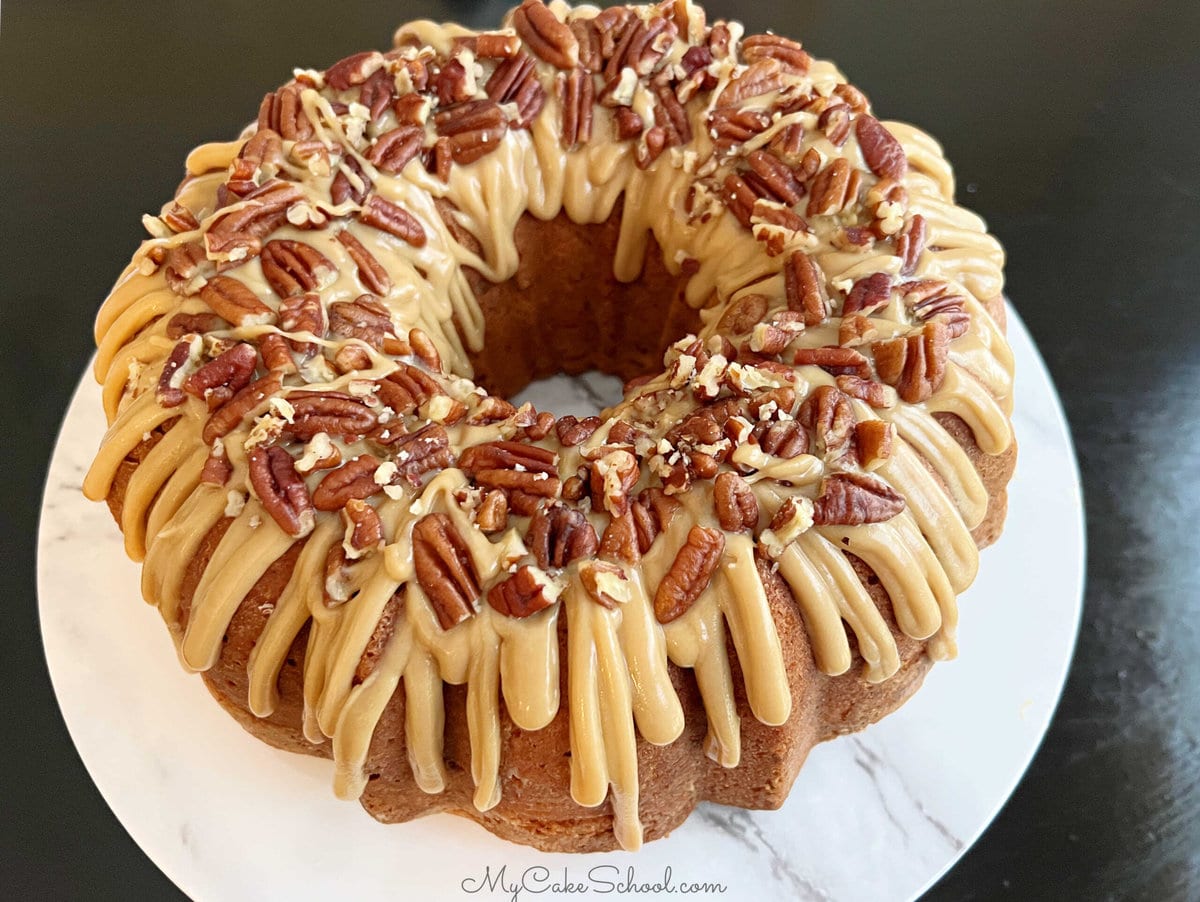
1074,129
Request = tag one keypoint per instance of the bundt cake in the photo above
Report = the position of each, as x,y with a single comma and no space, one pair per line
570,630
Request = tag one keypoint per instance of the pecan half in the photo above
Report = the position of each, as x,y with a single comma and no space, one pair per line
233,301
558,535
444,569
354,480
542,32
182,324
371,273
829,414
777,176
882,152
911,242
513,465
516,81
223,376
572,431
868,294
281,490
852,499
304,313
226,417
392,150
762,76
835,360
874,393
282,111
364,525
732,126
805,288
737,508
353,70
790,55
915,364
293,267
395,220
577,98
689,574
333,413
833,189
473,129
407,388
835,122
785,439
366,319
422,451
622,539
350,184
492,515
238,234
521,594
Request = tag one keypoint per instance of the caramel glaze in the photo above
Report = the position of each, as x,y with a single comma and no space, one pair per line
617,661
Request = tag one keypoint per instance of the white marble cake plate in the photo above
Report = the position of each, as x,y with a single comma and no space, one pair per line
876,816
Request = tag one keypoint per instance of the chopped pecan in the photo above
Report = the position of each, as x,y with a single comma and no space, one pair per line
392,150
915,364
169,394
652,514
451,85
629,123
179,218
911,242
424,348
558,535
882,152
355,479
761,77
377,93
856,329
737,508
622,538
805,288
788,143
606,584
492,515
852,499
419,452
366,319
873,442
363,524
217,469
835,360
330,412
613,475
522,594
395,220
233,301
444,569
574,489
337,586
371,273
293,267
223,376
833,189
225,418
868,294
933,300
494,45
281,490
790,55
548,38
689,574
830,415
577,97
835,122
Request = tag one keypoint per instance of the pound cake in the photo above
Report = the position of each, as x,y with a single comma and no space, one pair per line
570,630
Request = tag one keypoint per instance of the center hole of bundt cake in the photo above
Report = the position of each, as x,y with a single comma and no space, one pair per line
565,312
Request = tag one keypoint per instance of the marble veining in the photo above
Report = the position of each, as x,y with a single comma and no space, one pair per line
877,816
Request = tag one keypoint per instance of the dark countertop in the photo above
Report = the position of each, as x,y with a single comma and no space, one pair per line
1073,128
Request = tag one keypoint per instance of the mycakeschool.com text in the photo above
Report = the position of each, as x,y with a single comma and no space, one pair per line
603,880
